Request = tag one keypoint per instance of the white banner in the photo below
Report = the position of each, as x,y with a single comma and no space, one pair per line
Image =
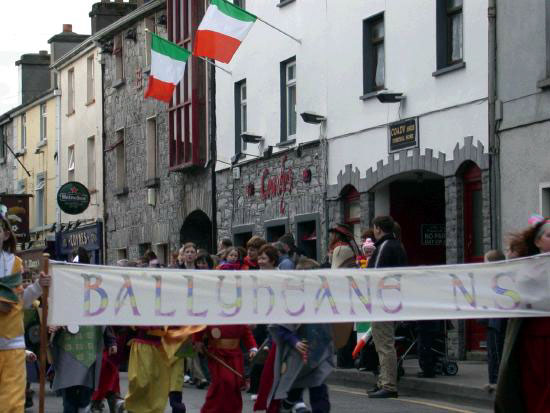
101,295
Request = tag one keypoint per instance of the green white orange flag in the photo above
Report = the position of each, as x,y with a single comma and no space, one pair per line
167,68
222,30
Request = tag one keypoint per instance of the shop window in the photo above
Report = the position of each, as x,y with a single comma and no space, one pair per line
352,210
275,229
121,254
307,237
473,215
143,248
187,110
240,239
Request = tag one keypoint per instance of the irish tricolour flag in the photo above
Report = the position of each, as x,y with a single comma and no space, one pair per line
167,68
222,30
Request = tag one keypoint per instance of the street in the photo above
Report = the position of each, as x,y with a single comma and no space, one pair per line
343,399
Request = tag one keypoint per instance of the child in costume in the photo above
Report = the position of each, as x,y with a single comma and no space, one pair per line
13,298
225,362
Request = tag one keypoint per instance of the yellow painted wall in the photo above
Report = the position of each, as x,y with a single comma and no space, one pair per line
38,162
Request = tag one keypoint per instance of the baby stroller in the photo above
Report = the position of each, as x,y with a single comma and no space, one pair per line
366,359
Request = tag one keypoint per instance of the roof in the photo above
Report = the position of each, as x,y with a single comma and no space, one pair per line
108,32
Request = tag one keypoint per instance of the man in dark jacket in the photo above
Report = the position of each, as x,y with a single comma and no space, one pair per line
389,252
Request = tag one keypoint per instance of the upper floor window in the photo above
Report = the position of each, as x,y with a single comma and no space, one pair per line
71,90
121,181
118,60
23,131
40,204
70,163
91,163
240,115
43,122
151,26
3,139
374,67
90,79
288,99
449,27
152,149
187,126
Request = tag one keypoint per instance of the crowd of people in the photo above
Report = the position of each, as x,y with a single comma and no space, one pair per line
273,363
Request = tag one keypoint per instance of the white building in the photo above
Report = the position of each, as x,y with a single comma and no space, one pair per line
433,179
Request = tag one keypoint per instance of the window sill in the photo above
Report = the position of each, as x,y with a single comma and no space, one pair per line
369,95
90,102
20,152
42,143
122,192
118,83
283,3
448,69
544,83
70,113
147,70
152,183
284,144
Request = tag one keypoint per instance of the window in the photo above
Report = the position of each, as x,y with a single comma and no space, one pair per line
152,149
121,254
240,115
70,96
20,186
374,67
70,163
352,211
119,61
90,78
143,248
23,131
449,27
545,199
39,194
120,162
149,25
43,123
288,99
91,163
187,124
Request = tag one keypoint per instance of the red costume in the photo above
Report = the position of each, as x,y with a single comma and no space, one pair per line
223,342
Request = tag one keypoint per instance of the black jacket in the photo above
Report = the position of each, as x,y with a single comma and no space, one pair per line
392,253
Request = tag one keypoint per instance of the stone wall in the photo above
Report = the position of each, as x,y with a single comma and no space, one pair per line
240,206
130,220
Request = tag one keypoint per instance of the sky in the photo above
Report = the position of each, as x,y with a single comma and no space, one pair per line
26,27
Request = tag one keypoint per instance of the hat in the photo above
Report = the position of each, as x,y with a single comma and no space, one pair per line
343,229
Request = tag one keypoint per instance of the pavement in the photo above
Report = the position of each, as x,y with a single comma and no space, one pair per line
466,386
462,393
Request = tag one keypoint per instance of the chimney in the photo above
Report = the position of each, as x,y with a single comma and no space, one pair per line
105,13
61,44
34,75
67,28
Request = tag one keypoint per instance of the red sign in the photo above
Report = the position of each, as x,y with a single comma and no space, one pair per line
277,186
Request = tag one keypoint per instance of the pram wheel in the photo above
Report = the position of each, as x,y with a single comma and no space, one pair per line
450,368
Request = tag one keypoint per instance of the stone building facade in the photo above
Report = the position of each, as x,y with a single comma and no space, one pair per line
273,196
148,204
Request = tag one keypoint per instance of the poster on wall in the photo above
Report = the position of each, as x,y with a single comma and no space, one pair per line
403,135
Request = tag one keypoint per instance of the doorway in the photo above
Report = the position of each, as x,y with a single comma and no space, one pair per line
197,228
417,203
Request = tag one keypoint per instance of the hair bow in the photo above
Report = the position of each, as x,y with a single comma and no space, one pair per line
534,219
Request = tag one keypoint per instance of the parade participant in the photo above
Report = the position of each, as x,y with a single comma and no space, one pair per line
204,261
224,244
523,384
388,252
187,256
231,261
344,249
253,247
303,360
13,298
288,252
222,346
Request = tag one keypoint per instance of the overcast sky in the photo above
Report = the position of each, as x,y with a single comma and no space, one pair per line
26,27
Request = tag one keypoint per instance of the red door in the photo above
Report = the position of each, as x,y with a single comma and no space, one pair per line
476,333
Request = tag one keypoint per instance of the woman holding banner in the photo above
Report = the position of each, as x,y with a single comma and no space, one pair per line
12,301
524,383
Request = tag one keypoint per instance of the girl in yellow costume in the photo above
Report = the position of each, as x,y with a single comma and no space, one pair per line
12,341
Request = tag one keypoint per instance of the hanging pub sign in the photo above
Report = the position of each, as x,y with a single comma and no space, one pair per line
73,198
403,135
17,213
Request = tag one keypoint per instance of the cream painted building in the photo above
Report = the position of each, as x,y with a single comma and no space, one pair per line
34,132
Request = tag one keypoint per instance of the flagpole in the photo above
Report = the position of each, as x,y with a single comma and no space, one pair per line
279,30
200,57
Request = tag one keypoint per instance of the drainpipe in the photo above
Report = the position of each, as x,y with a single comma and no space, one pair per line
57,94
103,146
494,142
213,153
